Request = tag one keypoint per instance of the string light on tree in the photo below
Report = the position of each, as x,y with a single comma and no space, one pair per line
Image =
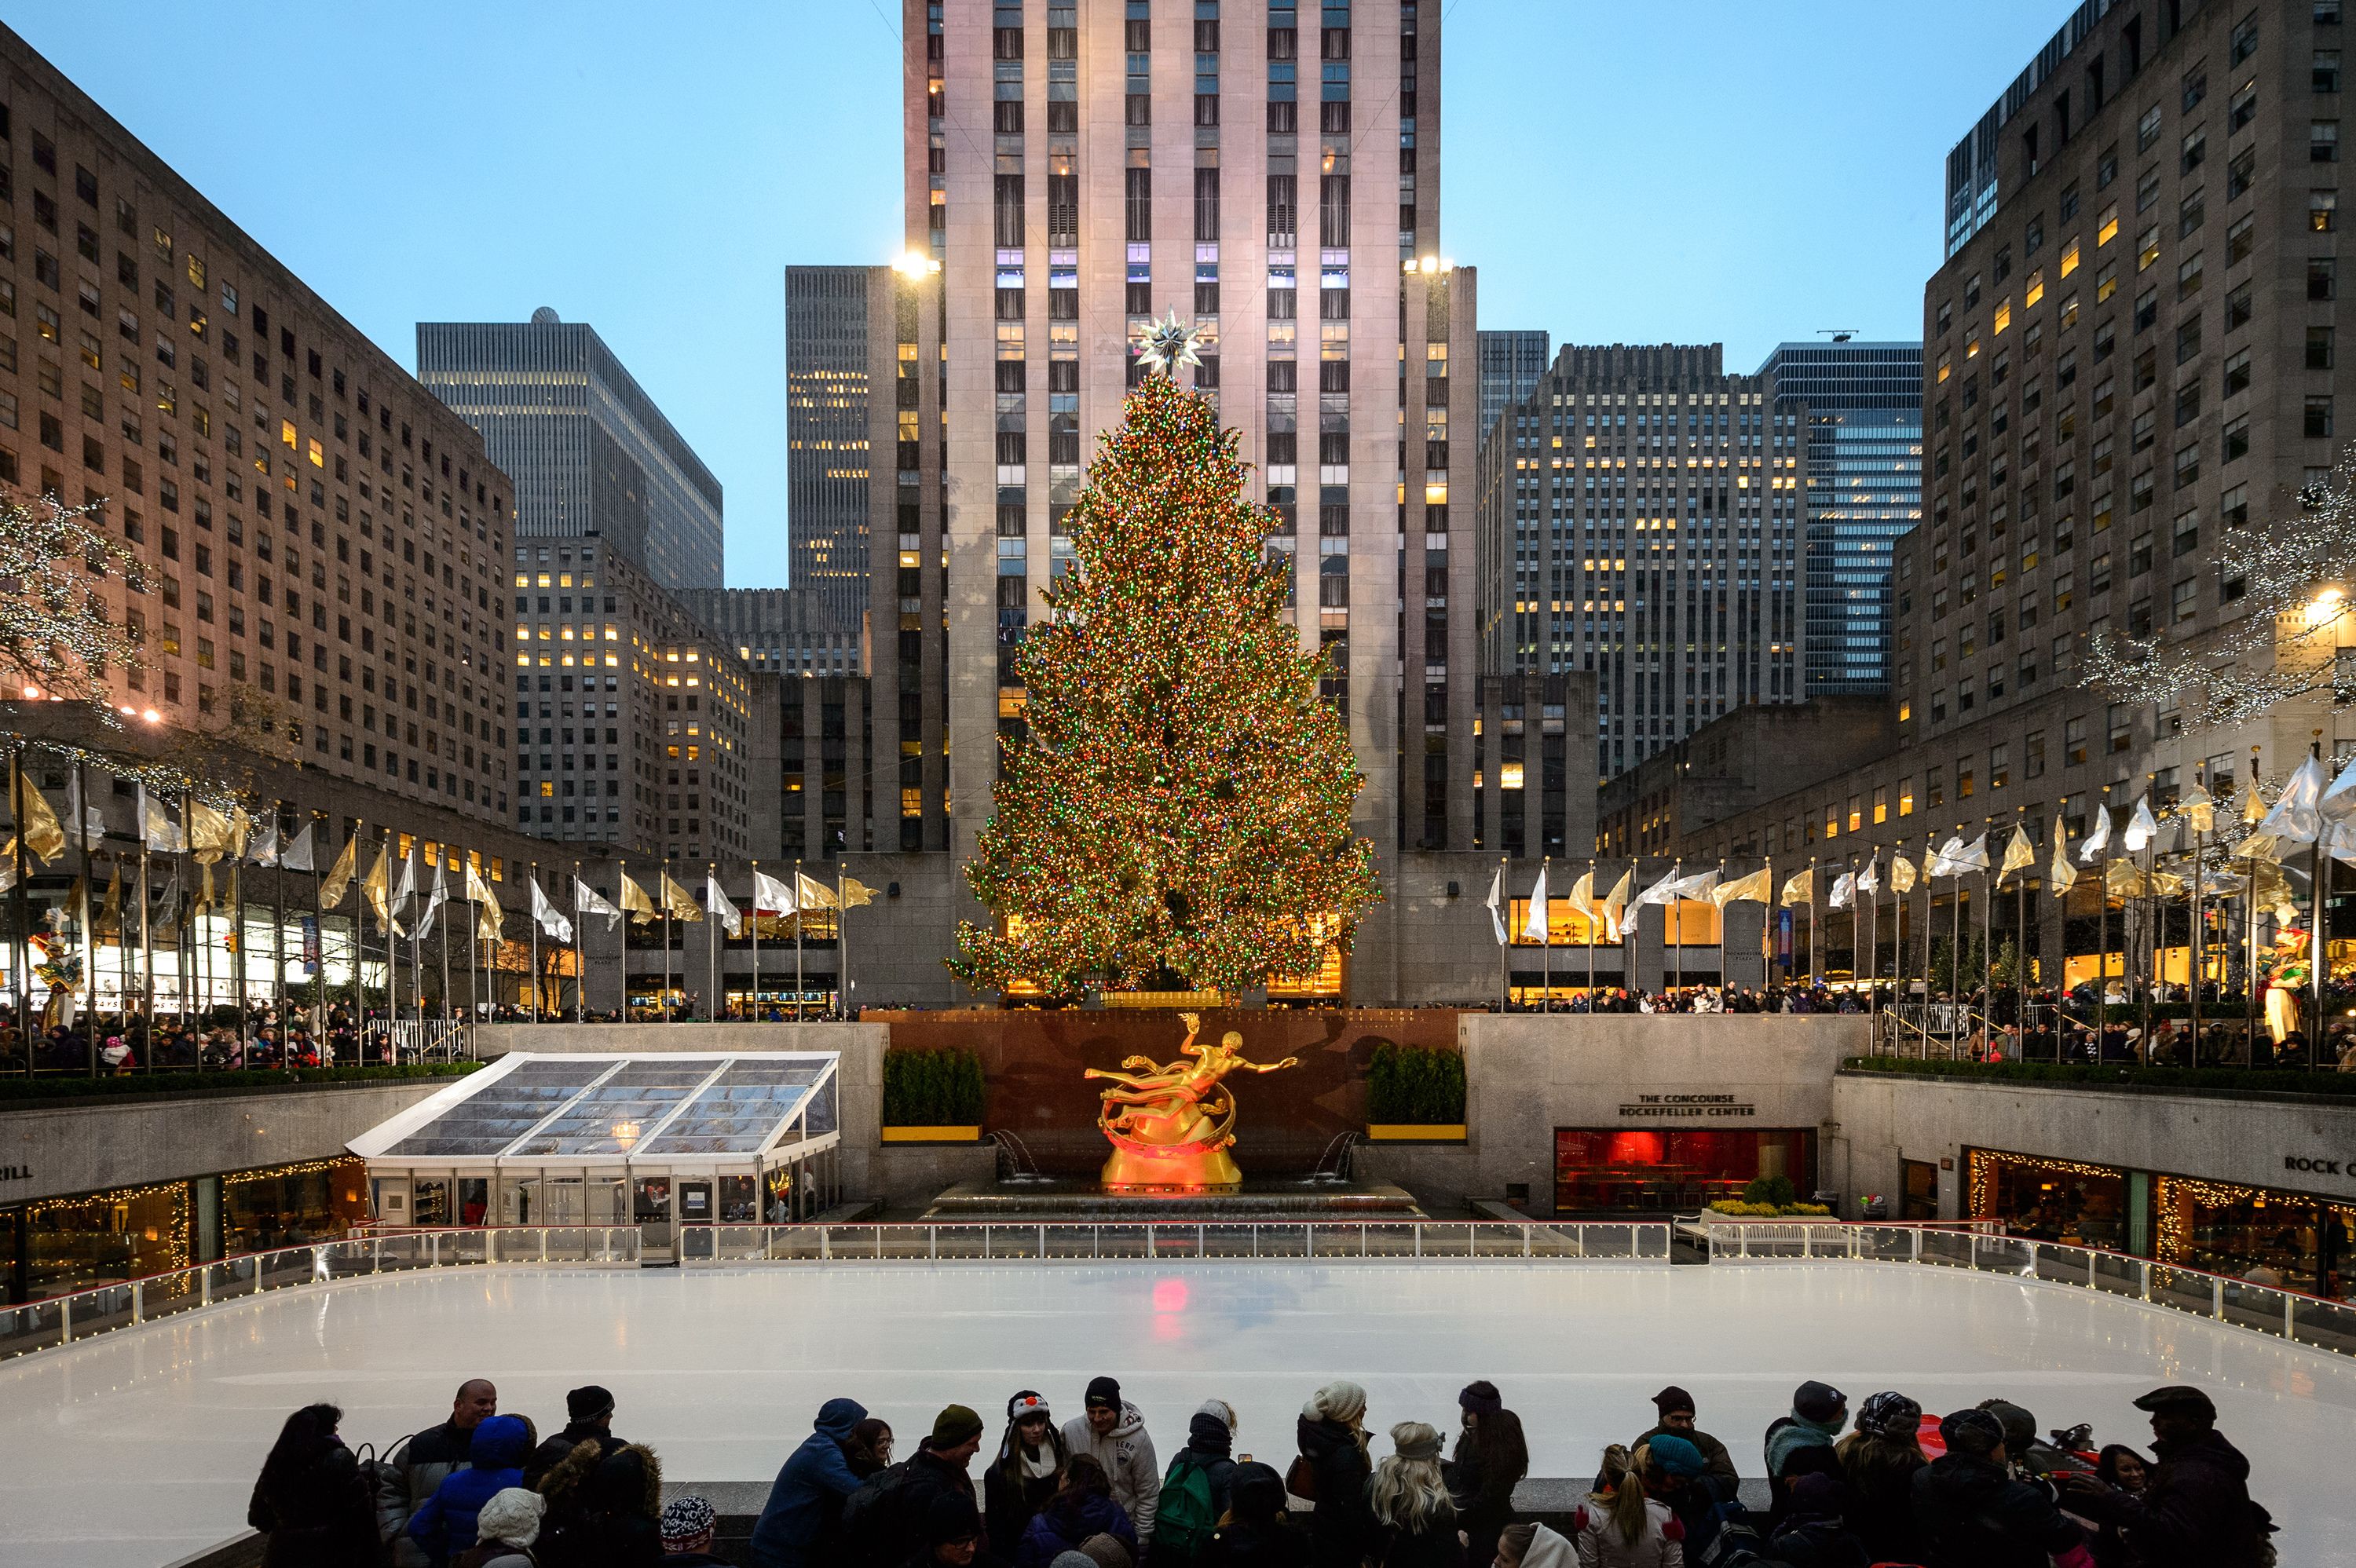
1181,798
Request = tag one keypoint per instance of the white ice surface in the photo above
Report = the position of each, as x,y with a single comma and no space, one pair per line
141,1446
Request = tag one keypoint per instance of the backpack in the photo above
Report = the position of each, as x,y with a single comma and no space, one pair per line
870,1526
1183,1523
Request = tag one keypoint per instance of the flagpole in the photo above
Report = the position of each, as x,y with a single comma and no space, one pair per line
800,916
717,935
2250,942
237,929
1987,937
580,940
1587,918
535,940
755,1014
146,951
1545,936
2197,936
319,976
665,887
278,926
1722,936
841,947
1812,923
1505,948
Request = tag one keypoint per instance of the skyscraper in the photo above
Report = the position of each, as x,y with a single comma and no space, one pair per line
1864,488
831,368
1640,521
1511,364
587,448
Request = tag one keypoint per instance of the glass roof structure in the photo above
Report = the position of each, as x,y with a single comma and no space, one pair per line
673,1109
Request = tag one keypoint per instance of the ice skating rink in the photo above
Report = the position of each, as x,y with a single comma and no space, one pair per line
142,1447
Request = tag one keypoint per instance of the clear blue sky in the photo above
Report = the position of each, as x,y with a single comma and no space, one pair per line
1721,171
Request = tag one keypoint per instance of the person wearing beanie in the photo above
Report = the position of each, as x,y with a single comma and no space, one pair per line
1676,1408
2195,1506
953,1538
1194,1495
1333,1468
686,1526
505,1528
1877,1461
588,1413
1415,1523
1800,1443
1112,1433
1491,1457
805,1500
899,1524
1081,1510
1028,1470
1973,1514
1255,1532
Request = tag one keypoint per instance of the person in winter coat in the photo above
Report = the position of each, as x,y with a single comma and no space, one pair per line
445,1527
2122,1469
420,1463
2195,1506
1491,1459
1113,1434
1800,1443
1973,1514
1676,1473
504,1530
886,1520
311,1500
605,1502
1332,1439
687,1525
1257,1533
1080,1511
1628,1525
1028,1471
1195,1493
1877,1461
869,1448
1676,1408
1414,1519
1531,1545
588,1413
806,1496
954,1538
1814,1533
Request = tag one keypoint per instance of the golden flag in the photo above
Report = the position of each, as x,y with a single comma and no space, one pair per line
2123,879
811,893
339,874
856,895
2169,885
635,903
375,890
2270,889
2252,809
38,823
2258,847
1801,888
2061,876
204,896
1581,897
1903,875
2018,855
213,835
488,916
109,912
1757,888
1615,903
679,902
2200,809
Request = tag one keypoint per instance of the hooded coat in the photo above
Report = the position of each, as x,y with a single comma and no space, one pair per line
1011,1496
604,1507
445,1527
1973,1514
806,1496
1341,1527
1127,1455
2195,1509
316,1513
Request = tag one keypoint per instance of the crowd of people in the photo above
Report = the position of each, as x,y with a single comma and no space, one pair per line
1977,1488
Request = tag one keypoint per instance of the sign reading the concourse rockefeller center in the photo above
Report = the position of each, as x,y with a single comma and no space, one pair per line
1655,1106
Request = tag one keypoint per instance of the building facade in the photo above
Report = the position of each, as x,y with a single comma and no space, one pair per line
1640,521
832,372
1511,364
589,451
1863,469
784,631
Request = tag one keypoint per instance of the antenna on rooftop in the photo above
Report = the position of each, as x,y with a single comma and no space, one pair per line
1837,334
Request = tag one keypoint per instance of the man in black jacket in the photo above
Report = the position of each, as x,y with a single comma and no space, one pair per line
420,1462
589,1413
1973,1514
2195,1512
884,1522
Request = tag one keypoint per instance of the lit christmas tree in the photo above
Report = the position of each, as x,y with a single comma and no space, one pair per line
1182,801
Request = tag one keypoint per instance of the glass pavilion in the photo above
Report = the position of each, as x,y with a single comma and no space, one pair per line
656,1141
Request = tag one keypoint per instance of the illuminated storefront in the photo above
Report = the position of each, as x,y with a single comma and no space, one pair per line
2055,1199
1661,1170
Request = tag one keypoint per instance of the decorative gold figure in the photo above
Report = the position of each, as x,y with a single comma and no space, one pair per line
1171,1125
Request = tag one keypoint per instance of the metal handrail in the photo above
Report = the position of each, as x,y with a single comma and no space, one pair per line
2316,1321
1164,1241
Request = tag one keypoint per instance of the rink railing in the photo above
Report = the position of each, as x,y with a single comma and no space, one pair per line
67,1319
2311,1320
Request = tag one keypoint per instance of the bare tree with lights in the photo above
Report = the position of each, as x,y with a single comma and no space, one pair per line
2294,614
59,639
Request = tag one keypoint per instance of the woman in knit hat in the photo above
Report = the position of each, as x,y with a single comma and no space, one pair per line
1414,1519
1332,1472
1877,1461
1490,1459
1028,1470
505,1528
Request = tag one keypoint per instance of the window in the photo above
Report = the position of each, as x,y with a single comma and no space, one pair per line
2147,128
2108,229
2188,532
2322,278
2238,309
2188,403
2243,108
2241,173
2191,213
2147,190
2237,438
2188,464
2244,40
2106,281
2073,742
2319,348
2184,602
2188,277
2323,142
2192,150
2187,339
2106,167
2240,239
2324,75
2318,417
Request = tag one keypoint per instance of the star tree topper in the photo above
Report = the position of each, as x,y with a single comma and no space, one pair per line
1170,345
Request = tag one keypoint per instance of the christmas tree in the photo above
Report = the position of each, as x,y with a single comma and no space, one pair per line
1182,801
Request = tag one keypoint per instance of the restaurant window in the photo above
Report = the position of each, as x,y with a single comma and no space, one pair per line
2249,1232
2051,1200
74,1243
1673,1169
289,1206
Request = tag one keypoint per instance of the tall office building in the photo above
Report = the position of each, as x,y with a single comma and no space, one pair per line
1640,519
1271,172
1511,364
589,451
1863,468
830,372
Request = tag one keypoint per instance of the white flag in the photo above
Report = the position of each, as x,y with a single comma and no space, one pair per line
716,901
1698,887
587,900
1497,903
155,823
1971,857
403,895
1844,889
2338,802
435,896
1942,861
771,896
262,847
1662,892
2294,819
1868,881
2141,826
2099,840
297,855
92,818
551,918
1536,927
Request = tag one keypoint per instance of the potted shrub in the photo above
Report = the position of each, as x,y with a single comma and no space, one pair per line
932,1096
1415,1093
1767,1198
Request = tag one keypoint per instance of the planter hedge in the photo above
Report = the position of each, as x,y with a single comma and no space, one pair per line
2087,1075
1415,1085
177,1084
932,1088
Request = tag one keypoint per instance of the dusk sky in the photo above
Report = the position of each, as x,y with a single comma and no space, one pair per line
1734,172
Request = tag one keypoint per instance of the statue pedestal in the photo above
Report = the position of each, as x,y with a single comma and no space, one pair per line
1129,1169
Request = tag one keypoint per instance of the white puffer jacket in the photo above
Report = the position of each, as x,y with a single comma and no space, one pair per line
1602,1545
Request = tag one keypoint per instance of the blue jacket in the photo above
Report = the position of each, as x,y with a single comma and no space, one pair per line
1053,1530
445,1527
808,1494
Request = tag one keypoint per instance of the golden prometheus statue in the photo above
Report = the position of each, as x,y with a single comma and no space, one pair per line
1171,1125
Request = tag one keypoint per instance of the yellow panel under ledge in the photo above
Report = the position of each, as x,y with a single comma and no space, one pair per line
1416,1132
932,1134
